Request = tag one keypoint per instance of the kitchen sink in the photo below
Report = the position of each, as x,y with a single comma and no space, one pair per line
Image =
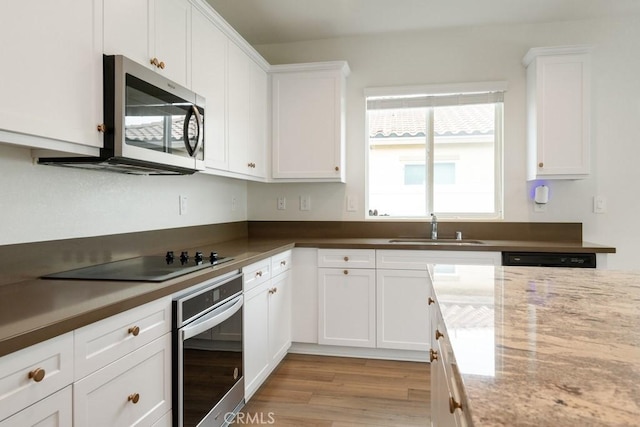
438,241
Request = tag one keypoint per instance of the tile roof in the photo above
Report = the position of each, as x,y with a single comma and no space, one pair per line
153,131
449,121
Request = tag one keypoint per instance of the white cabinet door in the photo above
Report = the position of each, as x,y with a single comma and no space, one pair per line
256,338
209,65
134,390
558,113
51,70
257,142
308,102
304,290
35,372
279,317
171,38
146,29
53,411
403,309
347,307
127,29
246,126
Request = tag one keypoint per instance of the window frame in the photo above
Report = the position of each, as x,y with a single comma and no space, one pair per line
445,90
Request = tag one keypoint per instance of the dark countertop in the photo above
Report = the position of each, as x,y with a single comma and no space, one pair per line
35,310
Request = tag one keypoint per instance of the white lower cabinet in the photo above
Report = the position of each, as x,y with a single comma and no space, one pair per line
402,309
347,307
134,390
267,321
34,373
53,411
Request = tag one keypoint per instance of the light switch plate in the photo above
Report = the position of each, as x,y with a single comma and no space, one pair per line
599,204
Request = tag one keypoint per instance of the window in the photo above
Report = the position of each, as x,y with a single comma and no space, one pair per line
437,153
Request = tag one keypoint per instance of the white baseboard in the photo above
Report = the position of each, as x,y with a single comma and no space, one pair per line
368,353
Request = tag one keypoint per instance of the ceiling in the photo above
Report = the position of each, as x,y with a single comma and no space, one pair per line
281,21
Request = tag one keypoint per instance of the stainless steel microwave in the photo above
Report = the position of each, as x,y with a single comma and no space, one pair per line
152,126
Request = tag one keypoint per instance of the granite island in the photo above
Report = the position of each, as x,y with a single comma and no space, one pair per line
543,346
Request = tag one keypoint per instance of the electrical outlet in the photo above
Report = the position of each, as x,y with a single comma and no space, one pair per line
352,203
234,203
599,204
539,207
282,203
305,203
183,204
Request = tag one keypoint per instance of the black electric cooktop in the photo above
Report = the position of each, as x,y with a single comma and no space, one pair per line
145,269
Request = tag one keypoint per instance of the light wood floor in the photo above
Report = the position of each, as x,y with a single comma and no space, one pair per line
325,391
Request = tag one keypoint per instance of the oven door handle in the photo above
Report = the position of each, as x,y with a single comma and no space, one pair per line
212,319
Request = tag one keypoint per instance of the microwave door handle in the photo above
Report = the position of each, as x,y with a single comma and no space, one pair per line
199,137
185,132
212,319
192,150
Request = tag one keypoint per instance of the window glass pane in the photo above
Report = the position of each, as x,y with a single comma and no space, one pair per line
397,152
447,167
465,133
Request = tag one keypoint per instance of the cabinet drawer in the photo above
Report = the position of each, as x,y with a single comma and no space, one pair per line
50,365
280,263
347,258
54,411
135,390
256,273
418,260
103,342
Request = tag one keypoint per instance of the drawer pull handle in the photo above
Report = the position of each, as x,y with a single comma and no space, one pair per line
37,374
346,271
273,290
439,334
433,355
102,128
540,165
133,398
258,273
453,405
346,259
431,301
283,263
134,330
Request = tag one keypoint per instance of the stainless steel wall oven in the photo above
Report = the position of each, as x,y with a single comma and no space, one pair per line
207,353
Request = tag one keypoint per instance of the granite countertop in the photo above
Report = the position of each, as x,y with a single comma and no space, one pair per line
544,346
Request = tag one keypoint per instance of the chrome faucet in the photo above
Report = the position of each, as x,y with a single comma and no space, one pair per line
434,227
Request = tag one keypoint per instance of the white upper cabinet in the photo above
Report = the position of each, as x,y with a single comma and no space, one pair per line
51,73
308,122
558,112
155,33
246,110
208,78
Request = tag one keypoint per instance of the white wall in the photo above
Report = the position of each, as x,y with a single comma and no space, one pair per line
39,203
486,54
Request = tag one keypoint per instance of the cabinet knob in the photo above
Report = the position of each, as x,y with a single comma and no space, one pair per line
134,330
273,290
337,168
346,259
161,65
431,301
540,165
154,61
133,398
439,334
433,355
102,128
258,273
283,263
37,374
346,271
453,405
